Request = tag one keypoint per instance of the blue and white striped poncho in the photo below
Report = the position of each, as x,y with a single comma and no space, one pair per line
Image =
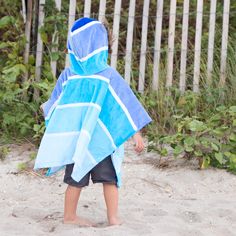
92,111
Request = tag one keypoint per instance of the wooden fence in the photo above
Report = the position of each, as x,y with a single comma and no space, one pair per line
155,83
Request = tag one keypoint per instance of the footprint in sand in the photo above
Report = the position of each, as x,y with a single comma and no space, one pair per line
191,233
228,214
102,225
48,221
36,214
155,212
190,217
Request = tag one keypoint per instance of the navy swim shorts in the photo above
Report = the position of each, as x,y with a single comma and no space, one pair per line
103,172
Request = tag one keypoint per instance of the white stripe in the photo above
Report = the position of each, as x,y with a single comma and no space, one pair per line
64,83
86,77
79,105
91,158
89,77
107,133
93,53
86,133
84,27
71,52
72,133
123,107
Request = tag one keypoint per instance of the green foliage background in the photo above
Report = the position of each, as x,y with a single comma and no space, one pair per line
179,120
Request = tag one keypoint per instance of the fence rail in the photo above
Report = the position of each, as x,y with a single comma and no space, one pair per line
158,47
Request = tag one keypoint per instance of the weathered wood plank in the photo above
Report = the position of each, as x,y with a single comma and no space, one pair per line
23,10
171,42
72,11
129,41
87,8
211,41
184,46
157,45
55,42
102,10
39,52
27,35
116,27
224,42
142,62
197,50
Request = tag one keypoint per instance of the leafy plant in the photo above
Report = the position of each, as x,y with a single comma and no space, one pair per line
212,140
22,166
3,152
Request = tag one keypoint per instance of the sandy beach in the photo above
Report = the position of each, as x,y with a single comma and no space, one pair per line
176,200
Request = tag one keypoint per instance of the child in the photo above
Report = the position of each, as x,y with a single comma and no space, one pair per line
102,173
90,114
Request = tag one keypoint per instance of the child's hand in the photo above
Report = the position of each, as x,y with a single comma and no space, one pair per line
41,108
139,144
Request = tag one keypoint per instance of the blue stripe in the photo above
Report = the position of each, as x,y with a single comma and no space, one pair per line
100,146
87,67
111,112
126,95
55,151
84,90
71,120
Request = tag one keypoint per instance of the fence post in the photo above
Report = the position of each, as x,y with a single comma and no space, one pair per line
87,8
184,47
197,53
142,62
72,11
129,41
24,13
102,10
211,41
116,26
157,46
171,42
27,35
39,52
224,42
55,41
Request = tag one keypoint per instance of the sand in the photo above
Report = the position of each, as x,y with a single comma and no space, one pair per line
175,200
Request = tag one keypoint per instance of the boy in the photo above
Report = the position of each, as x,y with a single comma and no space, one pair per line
110,191
91,113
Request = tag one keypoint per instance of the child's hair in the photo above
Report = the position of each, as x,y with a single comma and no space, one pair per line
109,34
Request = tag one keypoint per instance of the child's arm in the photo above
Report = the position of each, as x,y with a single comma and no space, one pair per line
139,144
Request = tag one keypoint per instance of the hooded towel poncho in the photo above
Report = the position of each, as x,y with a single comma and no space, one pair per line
92,110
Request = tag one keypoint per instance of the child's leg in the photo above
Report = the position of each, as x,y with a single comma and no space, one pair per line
71,201
72,195
111,198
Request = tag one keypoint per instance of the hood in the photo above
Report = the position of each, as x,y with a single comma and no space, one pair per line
88,47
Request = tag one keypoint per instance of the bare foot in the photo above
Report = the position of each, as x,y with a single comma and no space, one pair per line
79,221
115,221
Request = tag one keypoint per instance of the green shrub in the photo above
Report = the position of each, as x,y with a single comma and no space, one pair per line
211,139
